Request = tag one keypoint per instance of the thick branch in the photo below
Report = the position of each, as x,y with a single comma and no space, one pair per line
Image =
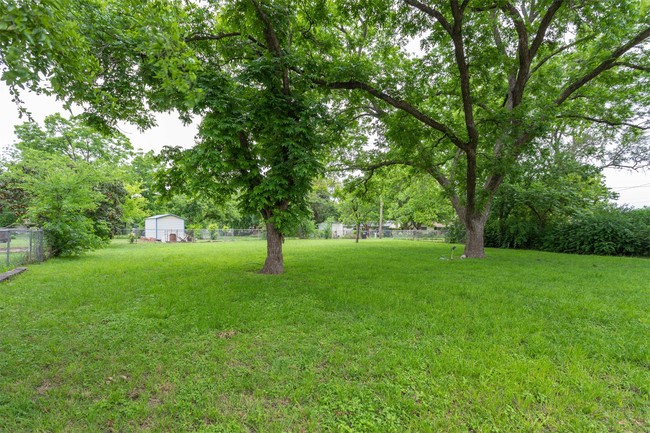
401,105
434,13
543,27
517,91
603,66
493,182
463,70
256,178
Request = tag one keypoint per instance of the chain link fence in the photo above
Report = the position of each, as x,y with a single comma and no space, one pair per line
429,234
192,235
215,235
20,246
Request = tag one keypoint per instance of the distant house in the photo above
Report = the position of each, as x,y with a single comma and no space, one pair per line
165,228
337,230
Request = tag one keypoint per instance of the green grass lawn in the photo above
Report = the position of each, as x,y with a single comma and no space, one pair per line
382,336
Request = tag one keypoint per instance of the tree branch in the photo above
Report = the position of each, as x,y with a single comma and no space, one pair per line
633,66
603,66
603,121
523,53
543,27
463,70
208,37
558,51
455,31
399,104
434,13
449,189
497,35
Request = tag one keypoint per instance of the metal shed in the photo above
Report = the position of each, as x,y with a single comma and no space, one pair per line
165,228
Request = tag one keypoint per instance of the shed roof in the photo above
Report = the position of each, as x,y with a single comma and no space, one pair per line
155,217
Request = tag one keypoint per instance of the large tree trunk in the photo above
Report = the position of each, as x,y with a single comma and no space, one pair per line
358,230
475,236
274,263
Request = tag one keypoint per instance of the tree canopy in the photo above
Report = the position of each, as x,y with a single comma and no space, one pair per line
488,81
68,179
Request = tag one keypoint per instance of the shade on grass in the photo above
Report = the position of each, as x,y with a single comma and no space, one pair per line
382,336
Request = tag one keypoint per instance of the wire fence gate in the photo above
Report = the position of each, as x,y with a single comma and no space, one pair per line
21,246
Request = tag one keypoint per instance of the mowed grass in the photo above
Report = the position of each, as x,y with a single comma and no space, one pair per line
382,336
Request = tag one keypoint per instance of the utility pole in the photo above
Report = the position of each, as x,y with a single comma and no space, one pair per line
381,218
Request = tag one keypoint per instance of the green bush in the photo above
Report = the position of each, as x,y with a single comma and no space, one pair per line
518,233
617,232
71,235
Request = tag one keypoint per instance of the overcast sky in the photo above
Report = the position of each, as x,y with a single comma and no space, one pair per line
633,187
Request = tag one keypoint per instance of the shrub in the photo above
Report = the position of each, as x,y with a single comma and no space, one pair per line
615,232
71,235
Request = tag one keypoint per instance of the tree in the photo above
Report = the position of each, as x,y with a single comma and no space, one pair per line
75,139
489,81
14,200
358,211
120,59
133,209
321,200
69,179
358,206
233,63
261,135
62,199
411,199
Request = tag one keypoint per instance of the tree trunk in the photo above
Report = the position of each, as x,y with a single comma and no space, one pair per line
274,263
475,236
358,230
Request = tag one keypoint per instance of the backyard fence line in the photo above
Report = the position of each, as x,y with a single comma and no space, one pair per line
21,246
191,235
426,234
207,235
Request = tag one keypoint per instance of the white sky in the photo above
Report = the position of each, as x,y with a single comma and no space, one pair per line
633,187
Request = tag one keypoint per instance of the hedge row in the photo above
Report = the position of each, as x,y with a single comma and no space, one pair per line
620,232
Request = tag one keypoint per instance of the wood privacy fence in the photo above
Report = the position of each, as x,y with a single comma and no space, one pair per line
20,246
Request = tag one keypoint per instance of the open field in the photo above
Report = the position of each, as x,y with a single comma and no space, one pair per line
377,337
